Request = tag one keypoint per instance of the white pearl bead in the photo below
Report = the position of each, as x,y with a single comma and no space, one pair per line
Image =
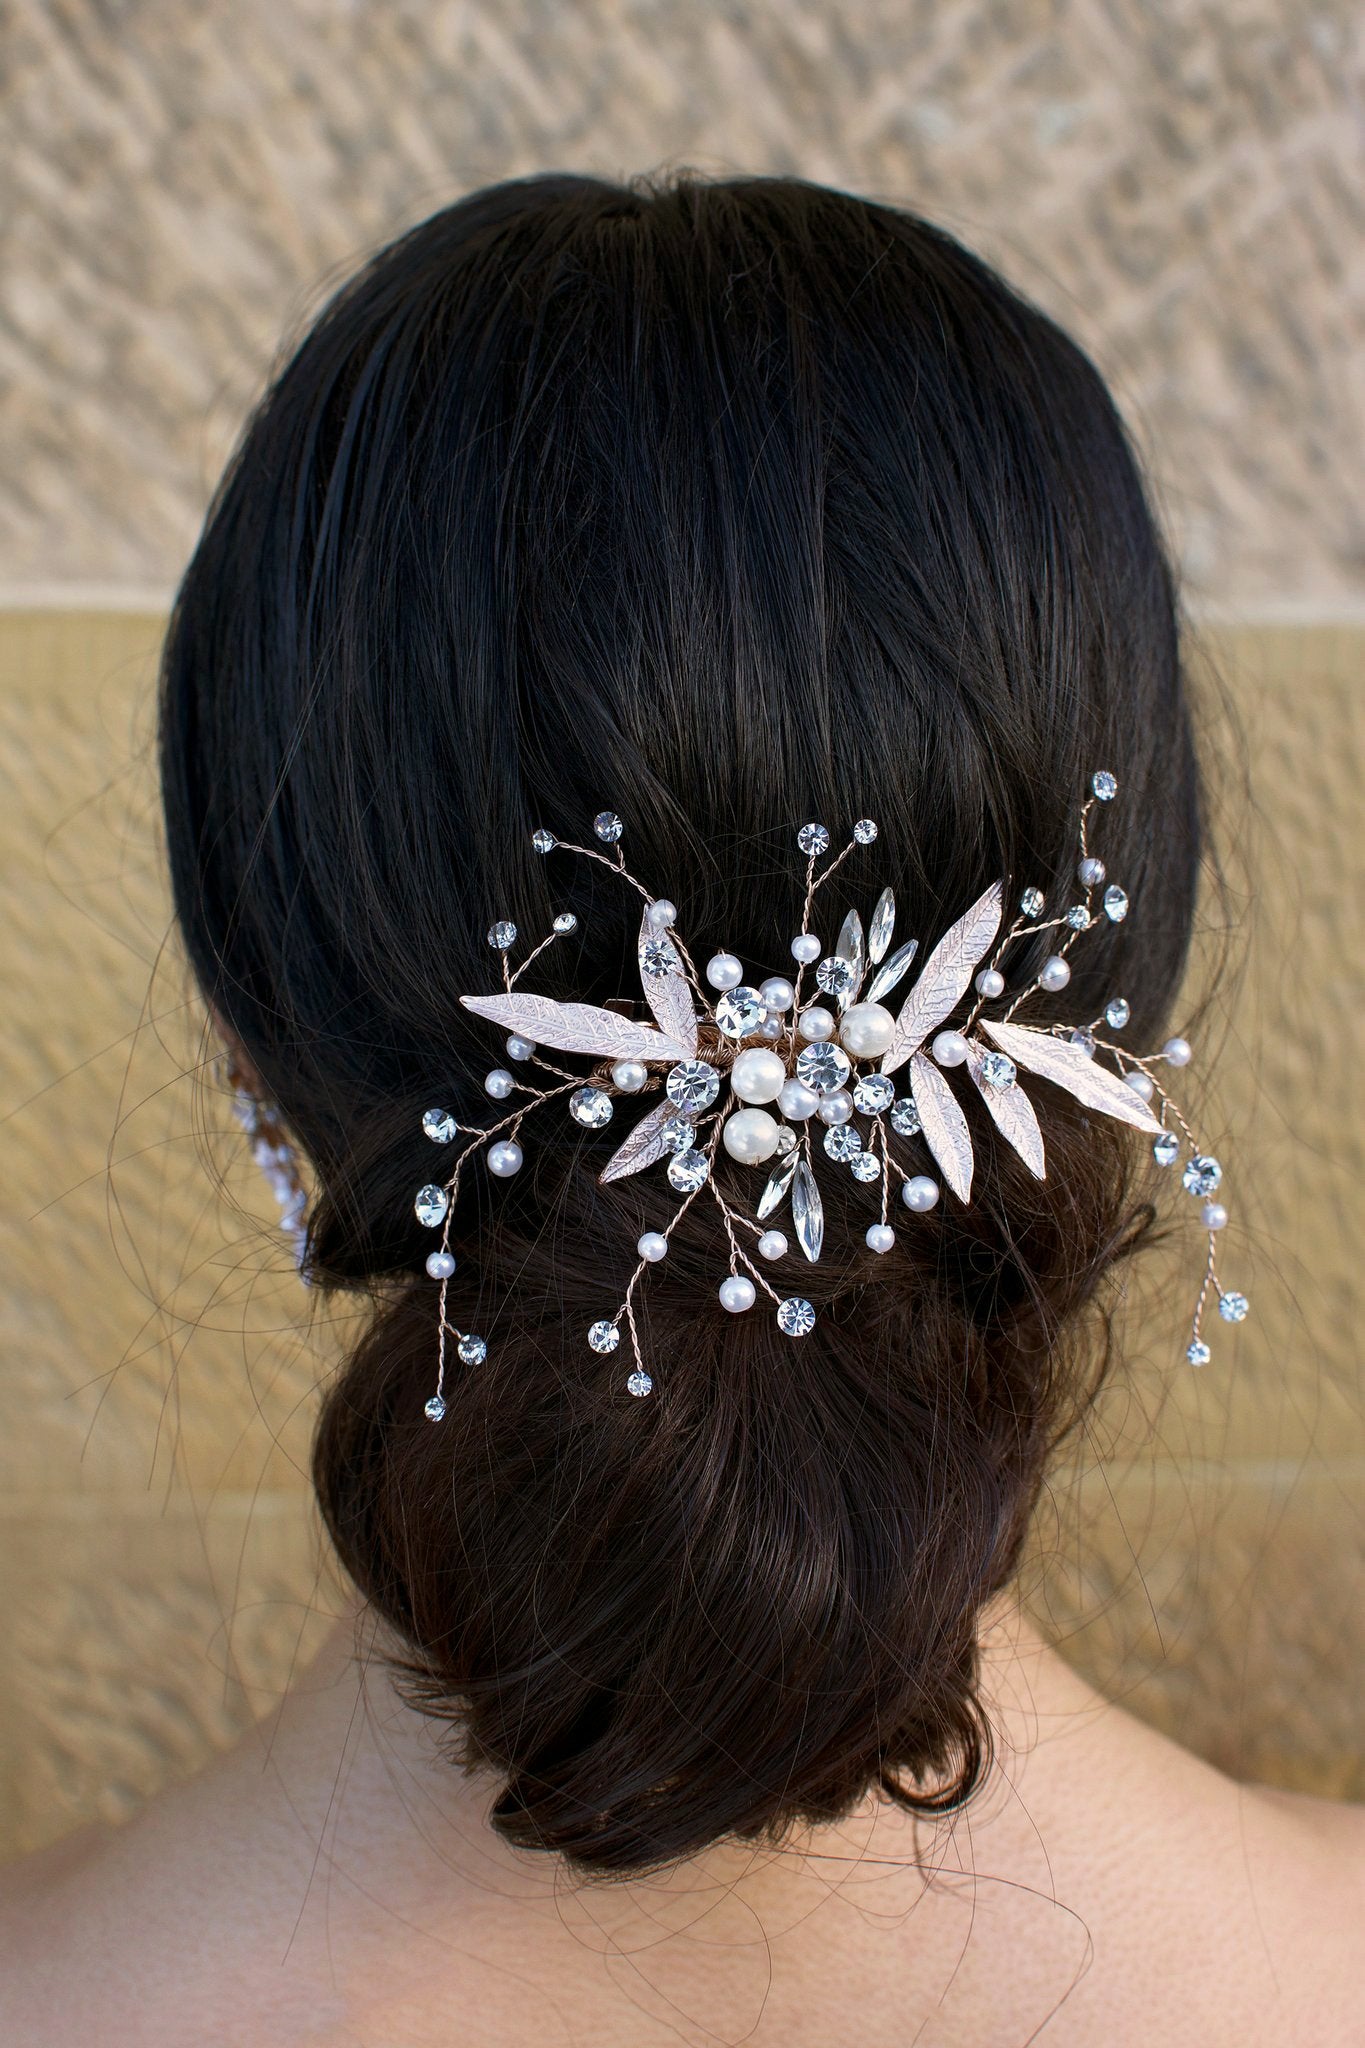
867,1030
1215,1216
1054,974
770,1028
440,1265
836,1107
519,1048
920,1194
1091,872
1179,1052
990,982
796,1100
750,1136
950,1049
662,914
777,993
630,1076
653,1246
499,1084
806,948
724,971
504,1158
879,1237
757,1075
816,1024
772,1245
737,1293
1141,1084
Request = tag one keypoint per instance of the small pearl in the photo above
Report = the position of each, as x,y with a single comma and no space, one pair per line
757,1075
653,1246
777,993
796,1100
504,1158
630,1076
772,1245
750,1136
950,1049
867,1030
440,1265
770,1028
499,1084
816,1024
1179,1052
920,1194
879,1237
1054,974
662,914
990,982
724,971
520,1048
737,1293
806,948
1215,1216
1091,872
836,1107
1141,1084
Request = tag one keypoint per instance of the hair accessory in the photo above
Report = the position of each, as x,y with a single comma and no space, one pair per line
273,1153
758,1071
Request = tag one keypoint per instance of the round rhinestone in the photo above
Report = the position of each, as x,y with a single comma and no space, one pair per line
1115,904
865,831
1105,785
997,1071
543,841
677,1132
795,1317
1233,1308
822,1066
1078,917
608,827
639,1384
1198,1352
472,1350
440,1126
1084,1040
604,1336
872,1093
565,923
842,1142
431,1205
434,1409
590,1107
656,959
1090,872
688,1171
835,975
1166,1149
1117,1013
739,1011
502,934
864,1166
693,1085
1033,903
1202,1175
905,1119
813,839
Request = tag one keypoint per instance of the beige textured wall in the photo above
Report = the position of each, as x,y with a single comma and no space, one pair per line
1178,185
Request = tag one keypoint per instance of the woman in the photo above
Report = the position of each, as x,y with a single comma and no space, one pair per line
704,511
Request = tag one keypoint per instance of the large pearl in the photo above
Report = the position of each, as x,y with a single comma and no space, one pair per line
777,993
772,1245
662,914
1178,1051
836,1107
806,948
737,1293
1054,974
724,971
653,1246
817,1024
796,1100
504,1158
879,1237
950,1049
990,983
499,1084
440,1265
1141,1084
867,1030
920,1194
630,1076
757,1075
750,1136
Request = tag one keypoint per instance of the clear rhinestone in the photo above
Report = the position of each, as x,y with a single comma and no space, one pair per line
1198,1352
543,841
891,973
565,923
639,1384
1115,904
1091,872
882,925
905,1120
1202,1175
835,975
779,1180
439,1125
435,1408
786,1139
590,1107
739,1011
431,1205
864,1166
1233,1308
1033,902
1105,785
604,1336
657,958
813,839
822,1066
472,1350
688,1171
1078,917
693,1085
677,1133
872,1093
608,827
1084,1040
865,831
808,1212
1117,1013
997,1071
1166,1149
843,1143
502,934
795,1317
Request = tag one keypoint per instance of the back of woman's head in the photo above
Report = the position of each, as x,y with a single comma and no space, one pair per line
725,506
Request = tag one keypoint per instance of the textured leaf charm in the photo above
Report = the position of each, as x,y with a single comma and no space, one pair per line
1013,1115
643,1146
849,946
666,987
779,1180
890,976
808,1211
1070,1068
880,930
944,1126
945,978
576,1027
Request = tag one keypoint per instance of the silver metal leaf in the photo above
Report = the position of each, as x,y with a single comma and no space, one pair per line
1071,1068
644,1144
779,1180
808,1211
1013,1115
944,1125
576,1027
850,946
945,978
882,925
890,976
669,995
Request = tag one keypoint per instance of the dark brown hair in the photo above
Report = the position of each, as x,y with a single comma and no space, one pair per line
727,506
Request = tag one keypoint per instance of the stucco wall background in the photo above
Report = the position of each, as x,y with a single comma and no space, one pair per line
1179,186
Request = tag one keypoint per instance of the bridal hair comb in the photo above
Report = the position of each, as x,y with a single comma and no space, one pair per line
760,1071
